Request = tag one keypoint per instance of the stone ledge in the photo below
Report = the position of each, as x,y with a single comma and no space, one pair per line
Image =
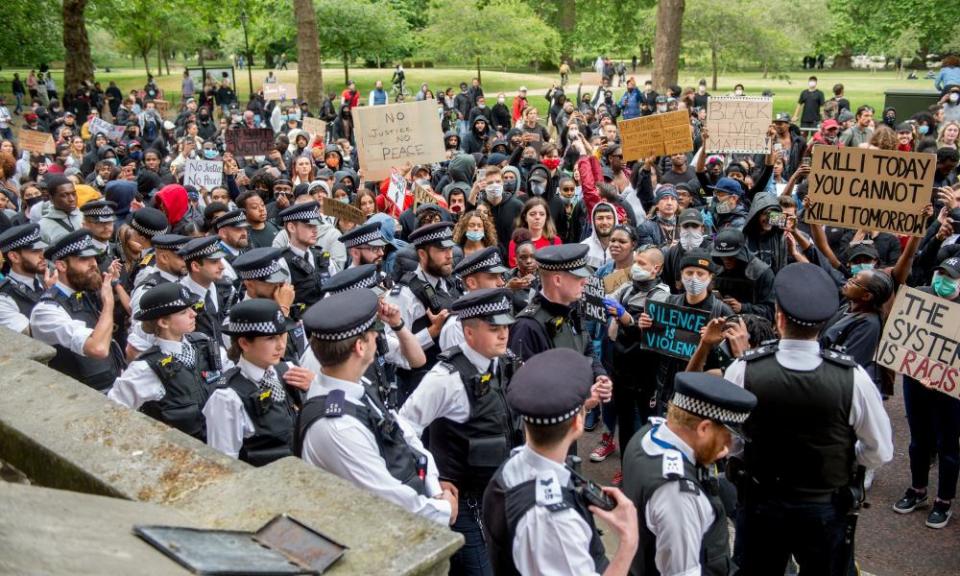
16,345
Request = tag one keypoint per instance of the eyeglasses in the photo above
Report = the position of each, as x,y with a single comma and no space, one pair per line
374,249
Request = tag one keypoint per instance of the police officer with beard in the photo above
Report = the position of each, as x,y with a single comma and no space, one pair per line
27,278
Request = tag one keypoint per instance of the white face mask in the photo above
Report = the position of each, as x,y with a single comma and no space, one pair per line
954,97
738,92
695,286
812,84
640,274
690,239
494,191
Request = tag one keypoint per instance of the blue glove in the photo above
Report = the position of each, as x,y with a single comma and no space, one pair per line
615,308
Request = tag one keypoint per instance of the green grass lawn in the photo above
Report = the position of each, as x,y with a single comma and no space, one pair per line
862,87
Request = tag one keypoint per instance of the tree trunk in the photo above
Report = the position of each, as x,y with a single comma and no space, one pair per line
309,71
646,56
666,44
346,69
566,26
146,64
843,60
166,60
78,66
713,63
159,57
478,70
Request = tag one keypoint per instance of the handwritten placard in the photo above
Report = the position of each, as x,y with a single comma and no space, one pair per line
591,78
614,280
250,141
37,142
592,300
316,127
675,331
273,91
207,174
395,134
870,189
921,339
162,106
739,124
336,209
656,135
423,195
101,126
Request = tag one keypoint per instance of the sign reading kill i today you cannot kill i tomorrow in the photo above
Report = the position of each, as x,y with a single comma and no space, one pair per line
858,188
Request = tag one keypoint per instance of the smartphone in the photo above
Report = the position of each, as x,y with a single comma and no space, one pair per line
778,219
806,161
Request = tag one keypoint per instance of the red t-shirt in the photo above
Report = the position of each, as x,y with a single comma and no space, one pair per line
537,244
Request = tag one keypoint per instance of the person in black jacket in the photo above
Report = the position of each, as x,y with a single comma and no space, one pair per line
745,281
478,136
500,115
504,207
342,127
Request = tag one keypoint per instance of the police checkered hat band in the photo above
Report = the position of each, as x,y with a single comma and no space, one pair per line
502,306
492,262
203,252
549,420
264,272
253,327
707,410
28,240
238,219
437,236
346,334
81,244
310,213
563,266
178,304
100,212
139,227
363,239
365,282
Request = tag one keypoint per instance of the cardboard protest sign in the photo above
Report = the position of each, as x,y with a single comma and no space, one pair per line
592,300
675,331
870,189
591,78
201,173
316,127
423,195
36,142
396,134
101,126
162,106
739,124
336,209
921,338
274,91
250,141
656,135
614,280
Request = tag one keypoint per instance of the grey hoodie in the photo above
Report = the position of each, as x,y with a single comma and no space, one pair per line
597,255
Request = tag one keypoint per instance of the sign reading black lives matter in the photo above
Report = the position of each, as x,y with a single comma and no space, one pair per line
592,300
870,189
921,339
393,135
675,331
250,141
739,124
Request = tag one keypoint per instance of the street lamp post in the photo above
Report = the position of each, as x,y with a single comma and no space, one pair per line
246,43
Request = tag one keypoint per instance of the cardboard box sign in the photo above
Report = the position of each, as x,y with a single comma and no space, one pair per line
250,141
36,141
591,78
866,189
315,127
656,135
739,124
336,209
396,134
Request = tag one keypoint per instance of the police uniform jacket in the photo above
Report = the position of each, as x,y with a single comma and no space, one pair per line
18,295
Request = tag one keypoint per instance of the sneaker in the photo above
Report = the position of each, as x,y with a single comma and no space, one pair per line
911,501
592,420
618,479
606,447
939,514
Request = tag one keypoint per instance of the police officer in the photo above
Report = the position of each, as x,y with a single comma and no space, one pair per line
146,223
425,295
98,218
552,319
818,417
252,415
27,279
171,380
535,509
364,244
463,401
396,344
264,275
309,267
667,473
205,262
233,230
481,269
168,266
75,316
344,428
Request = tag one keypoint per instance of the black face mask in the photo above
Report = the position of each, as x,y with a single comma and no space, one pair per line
33,201
510,186
890,120
528,162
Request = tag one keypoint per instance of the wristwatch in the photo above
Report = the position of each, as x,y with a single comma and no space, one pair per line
400,327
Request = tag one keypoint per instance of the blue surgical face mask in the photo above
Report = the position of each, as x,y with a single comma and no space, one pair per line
475,235
923,129
344,199
857,268
137,155
209,153
113,161
944,286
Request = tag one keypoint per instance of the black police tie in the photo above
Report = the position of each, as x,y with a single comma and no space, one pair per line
492,369
208,302
37,285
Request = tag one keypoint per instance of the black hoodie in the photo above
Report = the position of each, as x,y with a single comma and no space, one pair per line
476,138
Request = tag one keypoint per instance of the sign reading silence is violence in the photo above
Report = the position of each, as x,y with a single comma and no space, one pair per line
870,189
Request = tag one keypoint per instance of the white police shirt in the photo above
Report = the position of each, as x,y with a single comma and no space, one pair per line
451,334
346,447
868,418
411,309
137,338
51,324
441,393
10,316
545,542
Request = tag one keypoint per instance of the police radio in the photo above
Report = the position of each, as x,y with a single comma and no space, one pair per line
588,489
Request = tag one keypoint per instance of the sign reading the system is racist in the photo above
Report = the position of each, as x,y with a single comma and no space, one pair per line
739,124
870,189
656,135
207,174
921,339
675,331
250,141
393,135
